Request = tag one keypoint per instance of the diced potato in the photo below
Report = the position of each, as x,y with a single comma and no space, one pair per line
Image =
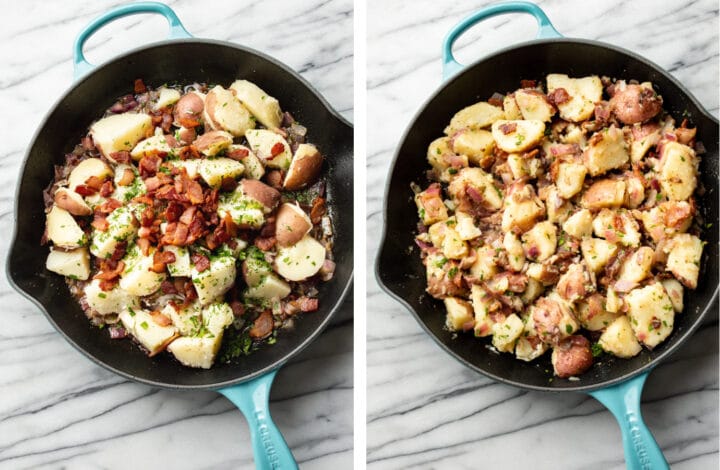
584,94
636,267
245,211
568,324
678,176
634,191
223,111
254,168
570,179
263,106
270,147
520,167
194,351
214,170
436,156
181,267
459,314
215,280
120,132
465,226
187,320
592,313
476,144
481,181
87,168
122,226
510,107
506,333
606,150
617,225
533,290
574,134
522,209
481,303
675,291
271,287
431,208
579,225
654,220
166,97
529,346
148,333
301,260
478,116
534,105
152,145
651,314
604,193
484,267
557,209
137,278
515,251
684,259
217,317
62,229
639,147
619,340
597,252
613,302
540,241
74,264
445,237
71,202
520,136
107,302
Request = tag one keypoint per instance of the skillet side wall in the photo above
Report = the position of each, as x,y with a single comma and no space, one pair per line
404,274
185,62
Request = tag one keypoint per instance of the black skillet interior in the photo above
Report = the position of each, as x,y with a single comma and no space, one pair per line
400,271
185,62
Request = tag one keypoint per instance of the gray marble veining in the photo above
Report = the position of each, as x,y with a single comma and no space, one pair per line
59,410
424,409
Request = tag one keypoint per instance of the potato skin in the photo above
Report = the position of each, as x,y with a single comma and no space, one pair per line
264,194
290,225
188,110
572,357
304,168
71,202
635,103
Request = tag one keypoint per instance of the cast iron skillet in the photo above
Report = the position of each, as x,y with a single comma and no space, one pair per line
616,383
247,381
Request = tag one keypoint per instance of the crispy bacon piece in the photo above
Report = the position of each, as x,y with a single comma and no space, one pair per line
200,261
508,128
265,244
122,156
168,287
139,86
558,96
160,318
528,83
87,143
238,308
100,222
160,260
149,165
176,233
106,189
262,326
308,304
276,150
229,225
188,152
228,184
108,206
85,190
127,177
144,245
318,210
188,215
194,192
496,100
173,211
109,274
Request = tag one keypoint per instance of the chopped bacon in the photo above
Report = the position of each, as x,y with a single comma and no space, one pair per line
508,128
122,156
160,318
160,260
237,154
200,261
196,229
496,100
558,96
144,245
194,192
265,244
108,206
139,86
94,182
263,325
318,210
187,215
276,150
85,190
119,252
528,83
238,308
558,150
100,223
168,287
110,274
149,165
188,152
127,177
176,233
106,189
308,304
173,211
229,225
228,183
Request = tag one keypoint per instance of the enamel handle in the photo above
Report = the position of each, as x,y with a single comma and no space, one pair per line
177,30
546,29
623,400
269,447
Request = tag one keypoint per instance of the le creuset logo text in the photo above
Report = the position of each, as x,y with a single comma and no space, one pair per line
642,455
267,442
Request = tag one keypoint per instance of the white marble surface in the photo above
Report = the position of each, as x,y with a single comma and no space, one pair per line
424,409
59,410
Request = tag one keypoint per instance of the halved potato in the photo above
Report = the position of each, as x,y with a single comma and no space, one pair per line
255,270
684,259
584,94
606,150
476,116
122,226
678,176
651,314
522,209
71,202
74,264
482,182
445,237
263,106
137,278
223,111
465,226
270,288
215,280
120,132
300,261
87,168
304,168
634,269
135,188
63,230
194,351
166,97
291,224
484,267
270,147
511,108
217,317
267,196
214,170
114,300
213,142
152,336
619,340
618,226
534,105
517,136
152,145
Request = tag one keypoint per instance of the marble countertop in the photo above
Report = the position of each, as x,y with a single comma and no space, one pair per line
60,410
425,410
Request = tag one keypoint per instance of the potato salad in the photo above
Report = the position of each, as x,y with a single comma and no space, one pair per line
193,220
561,218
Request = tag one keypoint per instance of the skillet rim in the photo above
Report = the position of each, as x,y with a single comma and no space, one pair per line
344,289
648,366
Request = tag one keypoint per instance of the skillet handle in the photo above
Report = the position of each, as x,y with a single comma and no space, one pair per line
623,400
269,447
546,29
177,30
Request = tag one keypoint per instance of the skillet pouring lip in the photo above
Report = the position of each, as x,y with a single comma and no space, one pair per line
341,290
392,287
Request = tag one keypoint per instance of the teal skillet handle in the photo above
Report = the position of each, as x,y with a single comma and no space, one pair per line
546,29
177,30
270,449
623,401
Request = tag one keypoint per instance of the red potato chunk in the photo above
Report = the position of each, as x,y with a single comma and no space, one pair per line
635,103
572,356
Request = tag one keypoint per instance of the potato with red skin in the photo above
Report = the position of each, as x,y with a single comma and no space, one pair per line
635,103
604,193
71,202
262,326
291,224
211,143
262,193
572,356
189,110
304,168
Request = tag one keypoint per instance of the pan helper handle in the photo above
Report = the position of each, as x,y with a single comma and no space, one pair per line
623,401
269,447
